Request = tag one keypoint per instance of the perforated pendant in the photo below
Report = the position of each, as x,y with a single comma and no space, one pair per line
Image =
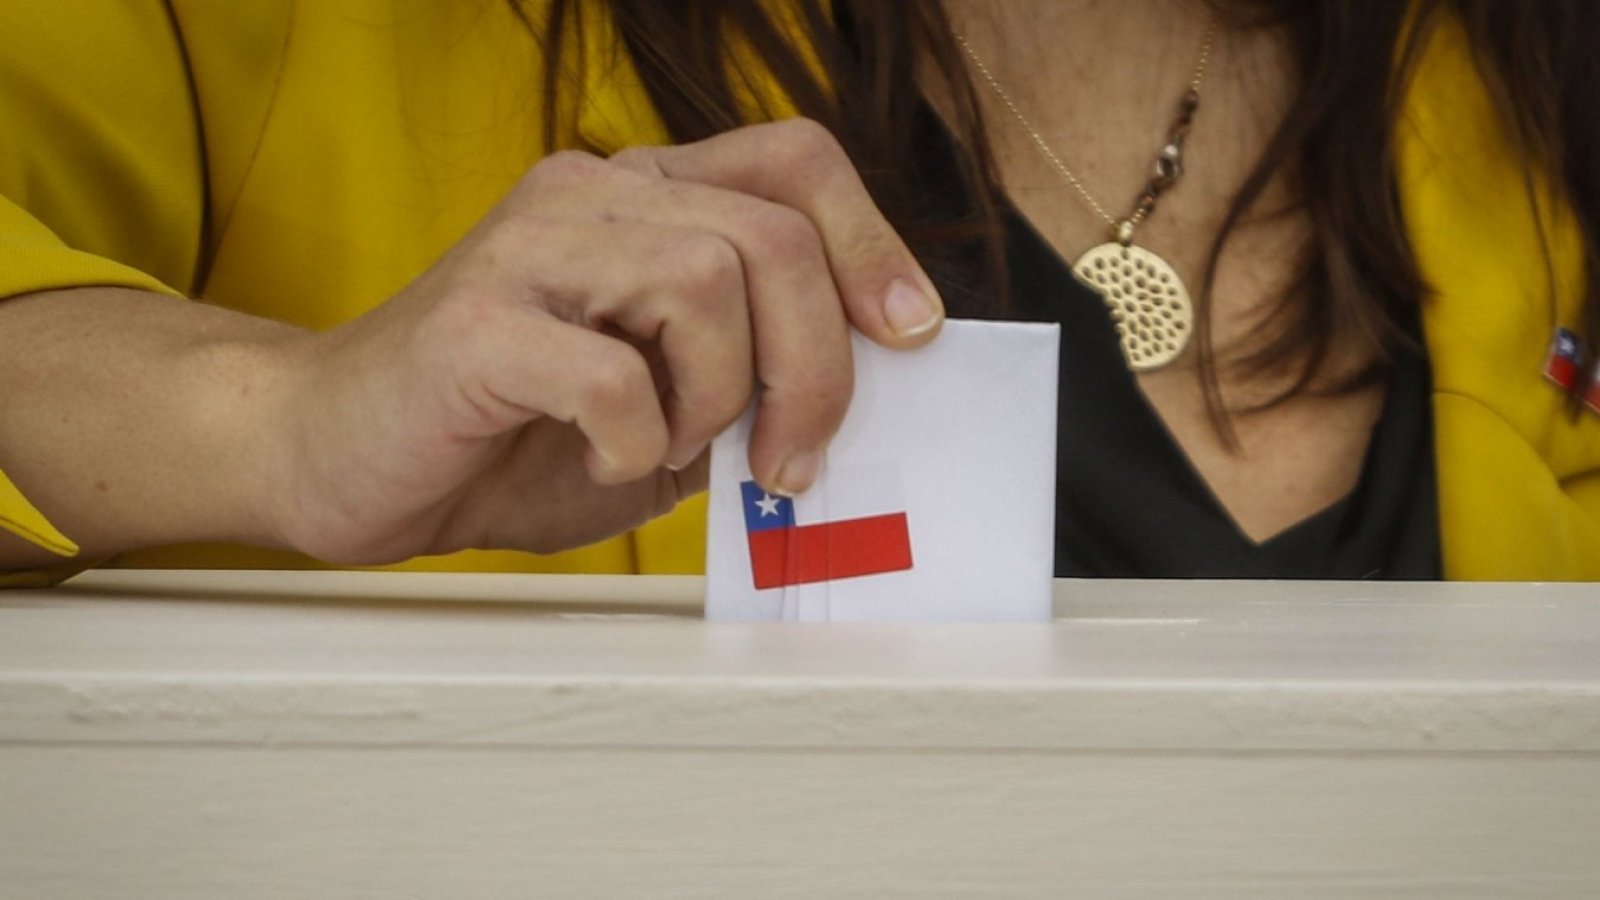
1147,300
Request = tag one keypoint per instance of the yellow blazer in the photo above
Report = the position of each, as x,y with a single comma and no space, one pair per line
305,160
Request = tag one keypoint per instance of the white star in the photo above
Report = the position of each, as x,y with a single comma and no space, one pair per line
768,504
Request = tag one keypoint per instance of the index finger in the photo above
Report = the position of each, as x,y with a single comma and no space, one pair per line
798,163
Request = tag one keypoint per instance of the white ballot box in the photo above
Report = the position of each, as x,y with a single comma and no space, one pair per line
195,736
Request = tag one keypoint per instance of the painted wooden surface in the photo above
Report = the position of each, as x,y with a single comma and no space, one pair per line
287,735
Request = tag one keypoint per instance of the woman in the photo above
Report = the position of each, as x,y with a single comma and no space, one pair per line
1353,213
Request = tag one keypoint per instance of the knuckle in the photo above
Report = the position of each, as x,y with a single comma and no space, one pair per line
703,266
807,142
506,243
566,167
639,159
616,378
627,155
782,232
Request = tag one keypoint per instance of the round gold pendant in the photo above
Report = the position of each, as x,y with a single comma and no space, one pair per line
1147,300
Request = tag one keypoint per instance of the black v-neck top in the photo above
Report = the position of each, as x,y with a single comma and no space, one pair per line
1129,504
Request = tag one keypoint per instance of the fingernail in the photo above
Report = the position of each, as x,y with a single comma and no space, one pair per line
910,312
602,467
683,461
798,472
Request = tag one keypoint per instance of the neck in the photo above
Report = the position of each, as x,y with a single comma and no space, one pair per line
1147,47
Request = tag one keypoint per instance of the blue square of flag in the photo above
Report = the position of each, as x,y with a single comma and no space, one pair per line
764,511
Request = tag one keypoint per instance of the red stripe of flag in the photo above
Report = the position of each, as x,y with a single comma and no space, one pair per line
847,549
1562,371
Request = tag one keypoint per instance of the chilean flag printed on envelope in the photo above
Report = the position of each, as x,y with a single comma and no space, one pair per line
857,528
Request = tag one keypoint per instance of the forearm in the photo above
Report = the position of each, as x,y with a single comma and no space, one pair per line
134,420
550,381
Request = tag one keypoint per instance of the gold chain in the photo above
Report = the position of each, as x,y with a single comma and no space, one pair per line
1126,226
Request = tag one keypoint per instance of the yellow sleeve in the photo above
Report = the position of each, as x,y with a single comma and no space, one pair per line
1518,472
19,517
101,177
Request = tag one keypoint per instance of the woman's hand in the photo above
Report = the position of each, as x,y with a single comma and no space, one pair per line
557,376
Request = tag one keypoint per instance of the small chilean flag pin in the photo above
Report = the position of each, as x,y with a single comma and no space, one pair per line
859,528
1565,359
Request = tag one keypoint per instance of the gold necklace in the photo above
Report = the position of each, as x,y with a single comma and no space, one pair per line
1146,298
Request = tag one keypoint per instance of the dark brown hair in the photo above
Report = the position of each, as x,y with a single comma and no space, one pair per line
1360,281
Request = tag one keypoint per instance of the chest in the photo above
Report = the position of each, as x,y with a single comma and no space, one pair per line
1284,463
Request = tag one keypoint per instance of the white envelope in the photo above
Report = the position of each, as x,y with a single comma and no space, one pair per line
936,501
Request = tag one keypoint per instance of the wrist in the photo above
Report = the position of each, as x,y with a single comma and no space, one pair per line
242,422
